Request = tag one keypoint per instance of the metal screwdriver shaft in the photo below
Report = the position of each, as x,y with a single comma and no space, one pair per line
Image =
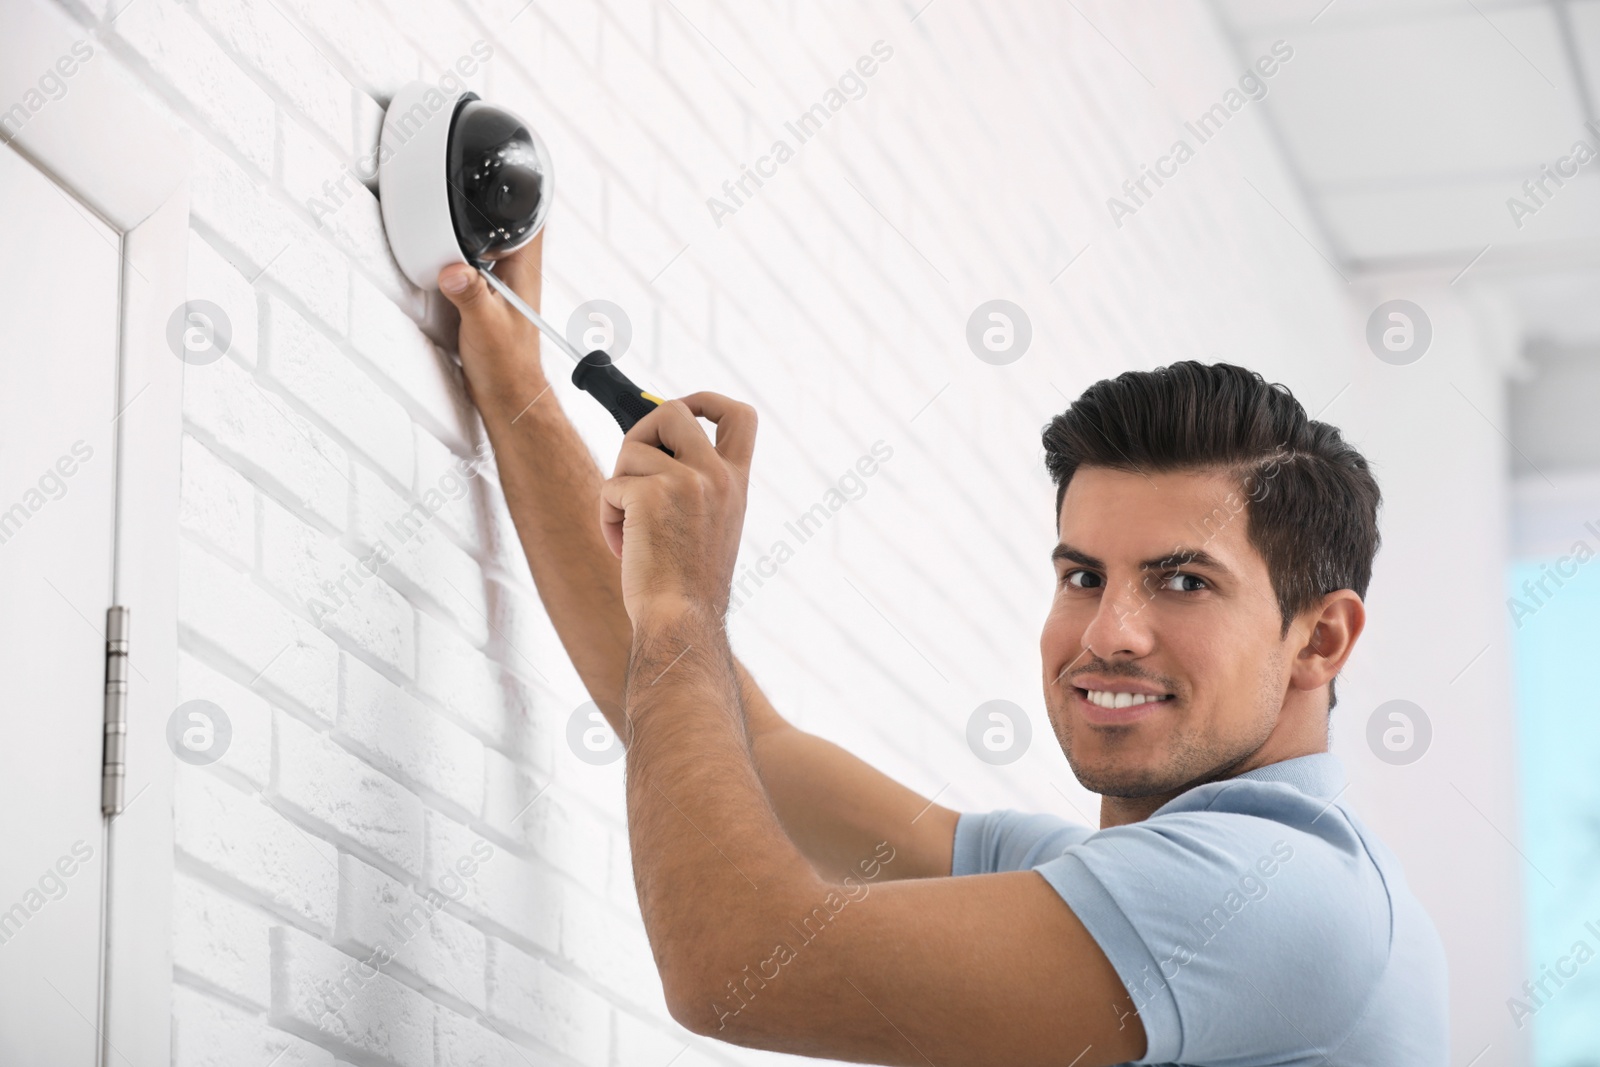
531,315
595,374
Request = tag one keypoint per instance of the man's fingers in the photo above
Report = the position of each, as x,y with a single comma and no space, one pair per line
678,428
463,287
615,495
673,424
736,425
485,316
640,457
521,269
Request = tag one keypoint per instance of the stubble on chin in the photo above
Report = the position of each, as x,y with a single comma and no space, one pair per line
1108,778
1115,771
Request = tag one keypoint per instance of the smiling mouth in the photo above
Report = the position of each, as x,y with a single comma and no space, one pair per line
1120,701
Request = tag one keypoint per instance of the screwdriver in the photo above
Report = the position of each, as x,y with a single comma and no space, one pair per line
595,373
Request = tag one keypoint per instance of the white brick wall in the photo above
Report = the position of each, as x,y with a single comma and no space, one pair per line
398,780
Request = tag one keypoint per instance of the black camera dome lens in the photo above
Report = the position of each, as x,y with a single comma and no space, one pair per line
517,190
499,181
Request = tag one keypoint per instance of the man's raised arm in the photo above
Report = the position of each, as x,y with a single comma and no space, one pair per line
960,972
836,808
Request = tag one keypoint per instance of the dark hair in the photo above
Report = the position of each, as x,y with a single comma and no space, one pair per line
1310,502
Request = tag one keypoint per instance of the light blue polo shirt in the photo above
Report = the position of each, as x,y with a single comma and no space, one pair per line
1254,921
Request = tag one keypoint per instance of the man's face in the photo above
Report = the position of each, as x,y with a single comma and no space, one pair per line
1204,632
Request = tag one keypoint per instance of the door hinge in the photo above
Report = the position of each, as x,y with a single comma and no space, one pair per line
113,760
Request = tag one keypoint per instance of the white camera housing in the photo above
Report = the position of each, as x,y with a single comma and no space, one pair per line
459,181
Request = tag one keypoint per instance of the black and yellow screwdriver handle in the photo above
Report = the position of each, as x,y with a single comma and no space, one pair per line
596,375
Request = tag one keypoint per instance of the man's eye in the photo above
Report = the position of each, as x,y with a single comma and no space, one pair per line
1066,579
1190,577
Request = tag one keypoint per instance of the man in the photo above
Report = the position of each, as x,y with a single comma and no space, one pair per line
1214,549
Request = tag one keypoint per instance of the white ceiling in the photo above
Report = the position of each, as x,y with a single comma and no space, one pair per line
1409,124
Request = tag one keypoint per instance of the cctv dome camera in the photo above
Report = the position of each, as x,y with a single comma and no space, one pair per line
459,181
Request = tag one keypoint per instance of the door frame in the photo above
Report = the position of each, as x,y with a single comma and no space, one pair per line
126,162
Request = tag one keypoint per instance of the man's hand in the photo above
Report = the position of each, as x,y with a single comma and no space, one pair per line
674,521
499,348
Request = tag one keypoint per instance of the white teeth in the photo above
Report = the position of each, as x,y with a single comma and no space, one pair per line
1119,700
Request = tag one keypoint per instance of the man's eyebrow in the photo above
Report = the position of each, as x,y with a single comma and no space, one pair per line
1178,557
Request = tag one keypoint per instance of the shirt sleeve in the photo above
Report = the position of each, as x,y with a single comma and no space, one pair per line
1008,840
1242,940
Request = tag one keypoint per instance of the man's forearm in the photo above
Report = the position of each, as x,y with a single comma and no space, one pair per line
552,488
712,865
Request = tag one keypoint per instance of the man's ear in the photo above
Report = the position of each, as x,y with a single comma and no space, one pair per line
1331,630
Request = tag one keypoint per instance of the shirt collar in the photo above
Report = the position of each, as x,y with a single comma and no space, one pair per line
1320,774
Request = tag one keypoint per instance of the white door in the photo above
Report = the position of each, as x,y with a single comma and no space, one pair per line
59,271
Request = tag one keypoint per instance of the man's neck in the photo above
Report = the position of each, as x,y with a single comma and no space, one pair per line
1120,811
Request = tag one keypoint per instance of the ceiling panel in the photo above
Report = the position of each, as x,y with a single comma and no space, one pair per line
1438,98
1425,222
